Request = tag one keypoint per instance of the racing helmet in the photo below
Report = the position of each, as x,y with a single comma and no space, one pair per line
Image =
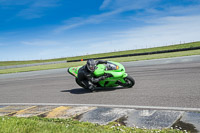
91,65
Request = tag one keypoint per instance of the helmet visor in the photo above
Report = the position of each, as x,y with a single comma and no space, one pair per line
91,68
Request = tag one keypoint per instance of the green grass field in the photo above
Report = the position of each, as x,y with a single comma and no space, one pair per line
44,125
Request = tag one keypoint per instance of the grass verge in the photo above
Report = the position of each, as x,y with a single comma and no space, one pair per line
122,59
171,47
44,125
42,67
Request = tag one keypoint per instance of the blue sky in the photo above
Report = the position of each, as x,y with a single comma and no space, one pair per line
44,29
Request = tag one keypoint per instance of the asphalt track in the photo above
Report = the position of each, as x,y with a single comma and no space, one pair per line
164,83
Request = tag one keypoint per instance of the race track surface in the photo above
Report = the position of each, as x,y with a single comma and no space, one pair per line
165,84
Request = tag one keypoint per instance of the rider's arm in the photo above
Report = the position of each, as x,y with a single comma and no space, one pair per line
95,79
101,62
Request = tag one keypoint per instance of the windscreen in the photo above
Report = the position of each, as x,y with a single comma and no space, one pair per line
111,66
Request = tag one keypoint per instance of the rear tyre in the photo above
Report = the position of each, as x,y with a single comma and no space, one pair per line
130,82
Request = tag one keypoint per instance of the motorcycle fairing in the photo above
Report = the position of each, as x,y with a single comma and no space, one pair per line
74,71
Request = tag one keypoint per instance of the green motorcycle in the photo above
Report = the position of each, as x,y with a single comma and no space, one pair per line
119,76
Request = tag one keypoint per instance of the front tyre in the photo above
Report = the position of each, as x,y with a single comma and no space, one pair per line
130,82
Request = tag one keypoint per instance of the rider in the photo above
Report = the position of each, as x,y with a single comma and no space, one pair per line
85,74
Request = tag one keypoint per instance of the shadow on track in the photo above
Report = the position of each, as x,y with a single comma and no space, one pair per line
77,91
84,91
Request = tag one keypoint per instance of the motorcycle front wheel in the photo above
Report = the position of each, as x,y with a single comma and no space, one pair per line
130,82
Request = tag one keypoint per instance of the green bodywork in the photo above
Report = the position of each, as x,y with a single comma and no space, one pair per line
118,73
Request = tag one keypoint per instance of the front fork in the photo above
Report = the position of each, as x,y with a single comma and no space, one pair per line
124,76
121,80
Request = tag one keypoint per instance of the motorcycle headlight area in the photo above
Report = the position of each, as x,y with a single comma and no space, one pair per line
112,67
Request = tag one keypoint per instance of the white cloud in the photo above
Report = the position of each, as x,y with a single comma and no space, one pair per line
94,19
162,31
170,30
116,6
128,4
165,31
42,43
105,4
33,8
161,27
191,9
119,6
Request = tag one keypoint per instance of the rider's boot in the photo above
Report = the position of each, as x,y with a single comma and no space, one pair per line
91,88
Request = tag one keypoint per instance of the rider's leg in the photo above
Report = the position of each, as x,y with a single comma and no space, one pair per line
88,85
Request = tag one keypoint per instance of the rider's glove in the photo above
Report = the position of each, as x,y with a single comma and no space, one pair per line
108,75
103,77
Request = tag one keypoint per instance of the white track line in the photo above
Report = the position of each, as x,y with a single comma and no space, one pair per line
106,105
